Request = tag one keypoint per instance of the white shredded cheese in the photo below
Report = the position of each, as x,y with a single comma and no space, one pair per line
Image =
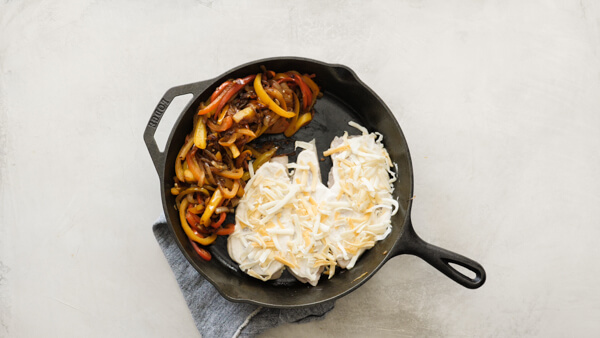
299,223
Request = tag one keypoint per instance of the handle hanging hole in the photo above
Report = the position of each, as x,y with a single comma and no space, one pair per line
169,117
463,270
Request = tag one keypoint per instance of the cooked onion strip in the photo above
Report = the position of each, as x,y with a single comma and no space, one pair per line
195,167
277,95
233,174
228,140
230,193
245,131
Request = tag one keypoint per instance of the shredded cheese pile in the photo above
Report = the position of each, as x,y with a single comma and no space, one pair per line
310,228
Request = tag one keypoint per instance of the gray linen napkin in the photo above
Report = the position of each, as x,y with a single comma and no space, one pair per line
214,315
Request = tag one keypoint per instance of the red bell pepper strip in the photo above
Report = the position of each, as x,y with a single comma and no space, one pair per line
219,90
227,230
220,221
230,92
194,222
213,104
201,252
193,219
306,92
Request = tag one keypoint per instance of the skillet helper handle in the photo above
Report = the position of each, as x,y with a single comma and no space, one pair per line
158,157
442,259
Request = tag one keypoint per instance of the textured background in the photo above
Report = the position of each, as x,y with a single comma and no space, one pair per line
499,101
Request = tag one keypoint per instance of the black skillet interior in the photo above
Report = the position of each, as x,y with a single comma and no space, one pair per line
345,99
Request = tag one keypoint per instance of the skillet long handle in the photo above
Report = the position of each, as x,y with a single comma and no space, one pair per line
441,259
158,157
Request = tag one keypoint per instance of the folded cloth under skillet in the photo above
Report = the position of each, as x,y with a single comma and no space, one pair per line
209,309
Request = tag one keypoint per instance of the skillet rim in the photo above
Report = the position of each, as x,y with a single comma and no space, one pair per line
208,84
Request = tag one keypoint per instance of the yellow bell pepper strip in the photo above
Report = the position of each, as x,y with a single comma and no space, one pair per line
187,174
303,120
291,129
179,170
266,99
198,208
188,231
184,150
247,112
233,174
230,92
240,192
263,158
235,152
200,133
280,76
212,205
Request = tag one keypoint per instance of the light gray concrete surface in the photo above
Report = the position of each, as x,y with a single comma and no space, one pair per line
499,101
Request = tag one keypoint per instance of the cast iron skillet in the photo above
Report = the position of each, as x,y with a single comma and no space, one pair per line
345,98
